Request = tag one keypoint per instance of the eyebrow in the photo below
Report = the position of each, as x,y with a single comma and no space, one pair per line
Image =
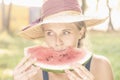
47,30
67,29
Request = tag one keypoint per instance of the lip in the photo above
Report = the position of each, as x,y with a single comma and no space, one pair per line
60,50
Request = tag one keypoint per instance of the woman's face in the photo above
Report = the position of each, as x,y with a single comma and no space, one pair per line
60,36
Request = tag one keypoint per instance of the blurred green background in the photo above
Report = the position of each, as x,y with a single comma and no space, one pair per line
12,51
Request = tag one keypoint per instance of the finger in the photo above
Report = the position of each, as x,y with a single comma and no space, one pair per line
80,67
79,72
33,74
71,75
22,62
27,65
84,72
36,76
16,70
28,74
88,73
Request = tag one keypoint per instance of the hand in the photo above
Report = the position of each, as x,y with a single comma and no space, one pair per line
79,72
26,70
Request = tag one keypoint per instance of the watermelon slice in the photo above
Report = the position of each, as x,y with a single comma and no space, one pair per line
50,60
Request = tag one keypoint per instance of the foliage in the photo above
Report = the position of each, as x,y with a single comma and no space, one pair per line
107,44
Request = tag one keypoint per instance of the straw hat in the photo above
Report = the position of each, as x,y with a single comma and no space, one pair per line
58,11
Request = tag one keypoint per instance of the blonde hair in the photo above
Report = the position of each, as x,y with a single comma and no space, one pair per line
81,25
84,40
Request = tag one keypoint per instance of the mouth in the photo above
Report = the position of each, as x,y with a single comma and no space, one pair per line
61,49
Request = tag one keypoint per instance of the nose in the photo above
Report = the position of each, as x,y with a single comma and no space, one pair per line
59,41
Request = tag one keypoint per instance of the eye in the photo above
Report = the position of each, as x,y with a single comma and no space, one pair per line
66,32
49,33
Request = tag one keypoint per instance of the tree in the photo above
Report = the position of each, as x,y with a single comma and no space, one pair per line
84,6
97,7
3,15
110,25
6,17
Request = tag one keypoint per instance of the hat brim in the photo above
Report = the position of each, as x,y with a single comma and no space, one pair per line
35,31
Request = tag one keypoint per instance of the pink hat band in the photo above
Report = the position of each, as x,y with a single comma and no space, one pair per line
59,6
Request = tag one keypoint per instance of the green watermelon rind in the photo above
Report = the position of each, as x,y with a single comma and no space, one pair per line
61,68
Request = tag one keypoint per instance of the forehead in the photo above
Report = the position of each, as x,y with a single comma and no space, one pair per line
59,26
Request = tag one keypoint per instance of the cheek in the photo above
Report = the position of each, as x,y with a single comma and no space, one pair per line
50,41
71,41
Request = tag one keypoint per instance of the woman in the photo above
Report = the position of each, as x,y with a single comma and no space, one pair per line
62,25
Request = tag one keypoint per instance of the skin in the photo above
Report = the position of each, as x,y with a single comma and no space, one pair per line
59,37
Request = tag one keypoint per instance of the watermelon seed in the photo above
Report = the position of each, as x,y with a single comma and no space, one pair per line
60,55
49,58
63,55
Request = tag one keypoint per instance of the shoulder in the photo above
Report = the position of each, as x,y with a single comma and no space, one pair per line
101,68
101,62
99,59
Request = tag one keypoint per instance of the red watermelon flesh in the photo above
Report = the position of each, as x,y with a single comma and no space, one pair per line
48,56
